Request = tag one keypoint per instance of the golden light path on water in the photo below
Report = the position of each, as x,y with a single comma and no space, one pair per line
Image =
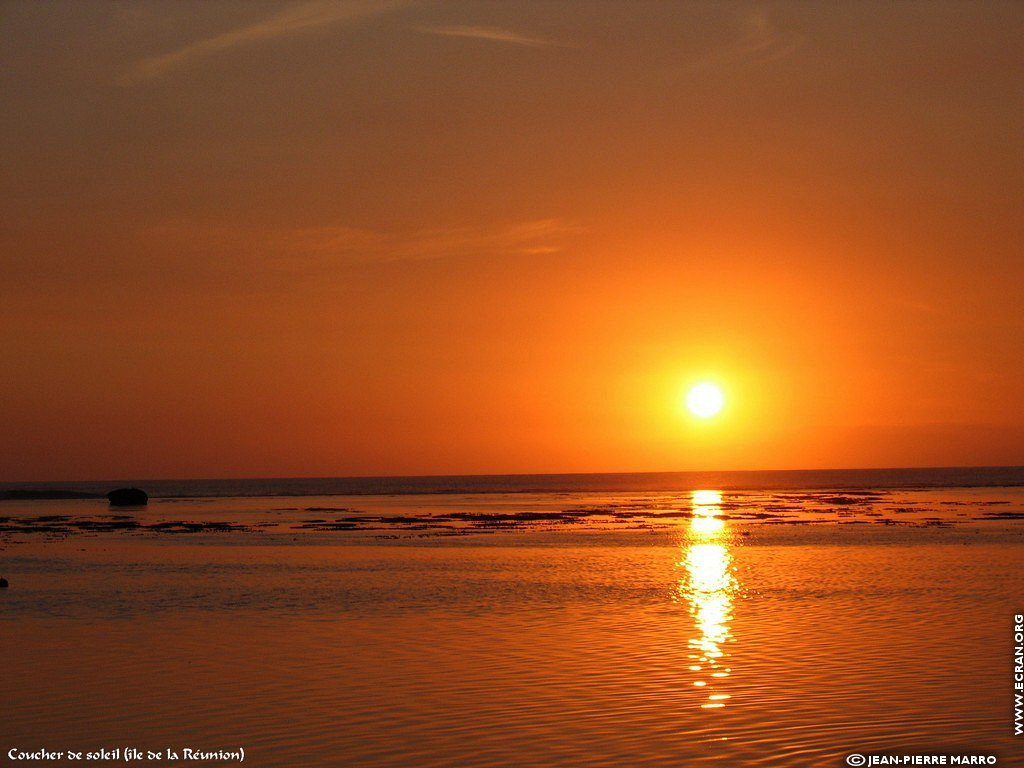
708,586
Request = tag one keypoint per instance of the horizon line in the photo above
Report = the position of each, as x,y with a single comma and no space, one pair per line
530,474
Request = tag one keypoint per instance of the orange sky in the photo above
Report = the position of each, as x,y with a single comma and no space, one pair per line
373,237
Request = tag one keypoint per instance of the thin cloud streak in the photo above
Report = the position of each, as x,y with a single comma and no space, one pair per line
293,20
310,253
760,42
492,34
353,245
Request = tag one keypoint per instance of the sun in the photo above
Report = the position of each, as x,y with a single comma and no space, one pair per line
705,400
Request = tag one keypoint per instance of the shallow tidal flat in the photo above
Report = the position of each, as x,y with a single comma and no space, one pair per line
773,628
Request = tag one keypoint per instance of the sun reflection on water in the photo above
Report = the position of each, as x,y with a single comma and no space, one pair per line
708,586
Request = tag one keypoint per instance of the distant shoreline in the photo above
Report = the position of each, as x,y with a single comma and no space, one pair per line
32,494
621,482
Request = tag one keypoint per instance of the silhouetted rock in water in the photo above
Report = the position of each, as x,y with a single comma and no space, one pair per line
3,583
128,497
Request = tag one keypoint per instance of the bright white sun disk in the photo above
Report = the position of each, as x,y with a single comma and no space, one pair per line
705,400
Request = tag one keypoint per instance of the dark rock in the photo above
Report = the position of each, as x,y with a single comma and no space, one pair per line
128,497
3,583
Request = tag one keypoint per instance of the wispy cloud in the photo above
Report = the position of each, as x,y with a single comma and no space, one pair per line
917,305
347,244
315,251
758,42
292,20
492,34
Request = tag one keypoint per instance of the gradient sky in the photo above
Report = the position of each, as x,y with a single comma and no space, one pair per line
384,237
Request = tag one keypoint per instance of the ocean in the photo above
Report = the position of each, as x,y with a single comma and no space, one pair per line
684,619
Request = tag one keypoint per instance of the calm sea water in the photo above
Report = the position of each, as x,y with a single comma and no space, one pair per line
520,621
